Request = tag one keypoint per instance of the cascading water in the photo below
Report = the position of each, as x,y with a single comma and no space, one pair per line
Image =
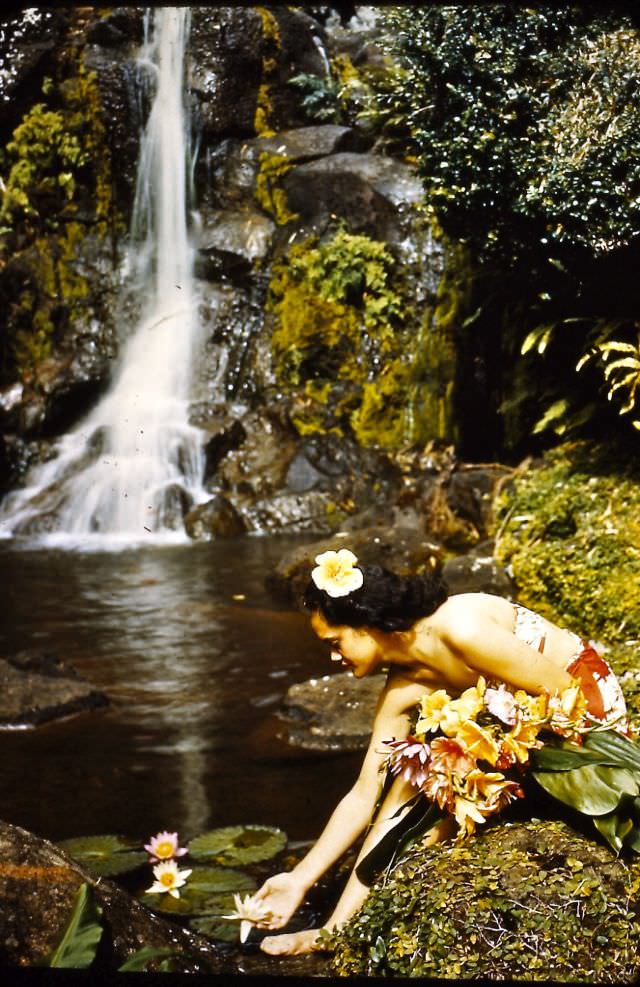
128,469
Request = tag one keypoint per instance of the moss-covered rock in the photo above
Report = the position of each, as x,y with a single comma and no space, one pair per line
521,901
570,532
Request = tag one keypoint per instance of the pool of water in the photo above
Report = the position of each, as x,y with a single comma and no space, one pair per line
193,676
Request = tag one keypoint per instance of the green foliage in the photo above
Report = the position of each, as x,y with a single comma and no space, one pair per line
523,120
532,901
54,165
81,937
320,97
342,339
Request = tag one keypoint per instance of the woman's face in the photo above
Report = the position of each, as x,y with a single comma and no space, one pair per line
354,647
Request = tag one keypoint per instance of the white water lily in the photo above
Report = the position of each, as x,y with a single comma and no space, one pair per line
168,879
336,573
247,912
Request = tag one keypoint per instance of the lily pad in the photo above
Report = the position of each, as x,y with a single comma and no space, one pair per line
104,856
219,879
216,928
190,902
238,844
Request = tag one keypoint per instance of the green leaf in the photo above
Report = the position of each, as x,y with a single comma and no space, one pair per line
622,751
218,879
615,827
238,844
79,943
104,856
139,960
420,818
564,758
592,789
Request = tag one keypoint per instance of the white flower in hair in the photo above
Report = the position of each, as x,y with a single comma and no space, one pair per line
336,573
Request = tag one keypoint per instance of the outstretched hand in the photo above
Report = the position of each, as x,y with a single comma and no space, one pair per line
281,894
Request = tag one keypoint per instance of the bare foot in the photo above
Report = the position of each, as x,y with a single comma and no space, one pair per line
290,943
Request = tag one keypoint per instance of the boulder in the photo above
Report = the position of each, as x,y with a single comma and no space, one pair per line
38,885
308,143
403,550
238,237
332,713
369,191
478,572
37,688
217,518
225,68
518,901
28,39
257,469
309,511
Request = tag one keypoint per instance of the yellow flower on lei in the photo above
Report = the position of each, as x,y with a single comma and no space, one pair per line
432,707
478,742
532,707
467,815
466,707
523,738
336,573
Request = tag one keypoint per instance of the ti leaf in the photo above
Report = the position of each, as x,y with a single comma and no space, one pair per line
139,960
79,943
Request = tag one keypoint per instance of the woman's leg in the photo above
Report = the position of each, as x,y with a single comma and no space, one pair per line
355,891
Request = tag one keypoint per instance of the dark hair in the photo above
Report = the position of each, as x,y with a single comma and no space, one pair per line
384,601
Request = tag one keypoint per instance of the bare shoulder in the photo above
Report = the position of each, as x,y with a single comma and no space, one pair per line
465,612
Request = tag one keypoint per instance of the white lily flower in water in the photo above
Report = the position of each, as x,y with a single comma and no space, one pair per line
168,878
247,912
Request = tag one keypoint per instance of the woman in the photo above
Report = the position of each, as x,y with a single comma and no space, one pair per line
430,641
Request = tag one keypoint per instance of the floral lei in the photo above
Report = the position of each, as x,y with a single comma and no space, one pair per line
461,748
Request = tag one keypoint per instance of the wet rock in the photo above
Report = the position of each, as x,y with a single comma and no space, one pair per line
307,143
471,490
37,688
119,26
28,38
217,518
225,68
171,504
403,550
369,191
242,234
332,713
478,572
38,884
310,511
225,435
258,468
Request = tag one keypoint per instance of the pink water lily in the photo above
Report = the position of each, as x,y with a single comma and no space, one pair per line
164,846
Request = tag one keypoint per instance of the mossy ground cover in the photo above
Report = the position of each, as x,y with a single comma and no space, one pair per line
570,533
522,901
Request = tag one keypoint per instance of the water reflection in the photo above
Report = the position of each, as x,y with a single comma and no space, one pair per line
191,674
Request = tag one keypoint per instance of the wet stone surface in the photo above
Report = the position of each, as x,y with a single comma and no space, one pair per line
37,688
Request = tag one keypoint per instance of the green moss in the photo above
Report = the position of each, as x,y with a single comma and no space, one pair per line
271,47
570,530
56,169
268,193
522,901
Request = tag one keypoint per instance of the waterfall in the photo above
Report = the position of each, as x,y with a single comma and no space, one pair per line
130,469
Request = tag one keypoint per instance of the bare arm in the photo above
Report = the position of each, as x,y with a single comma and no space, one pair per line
496,653
284,892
